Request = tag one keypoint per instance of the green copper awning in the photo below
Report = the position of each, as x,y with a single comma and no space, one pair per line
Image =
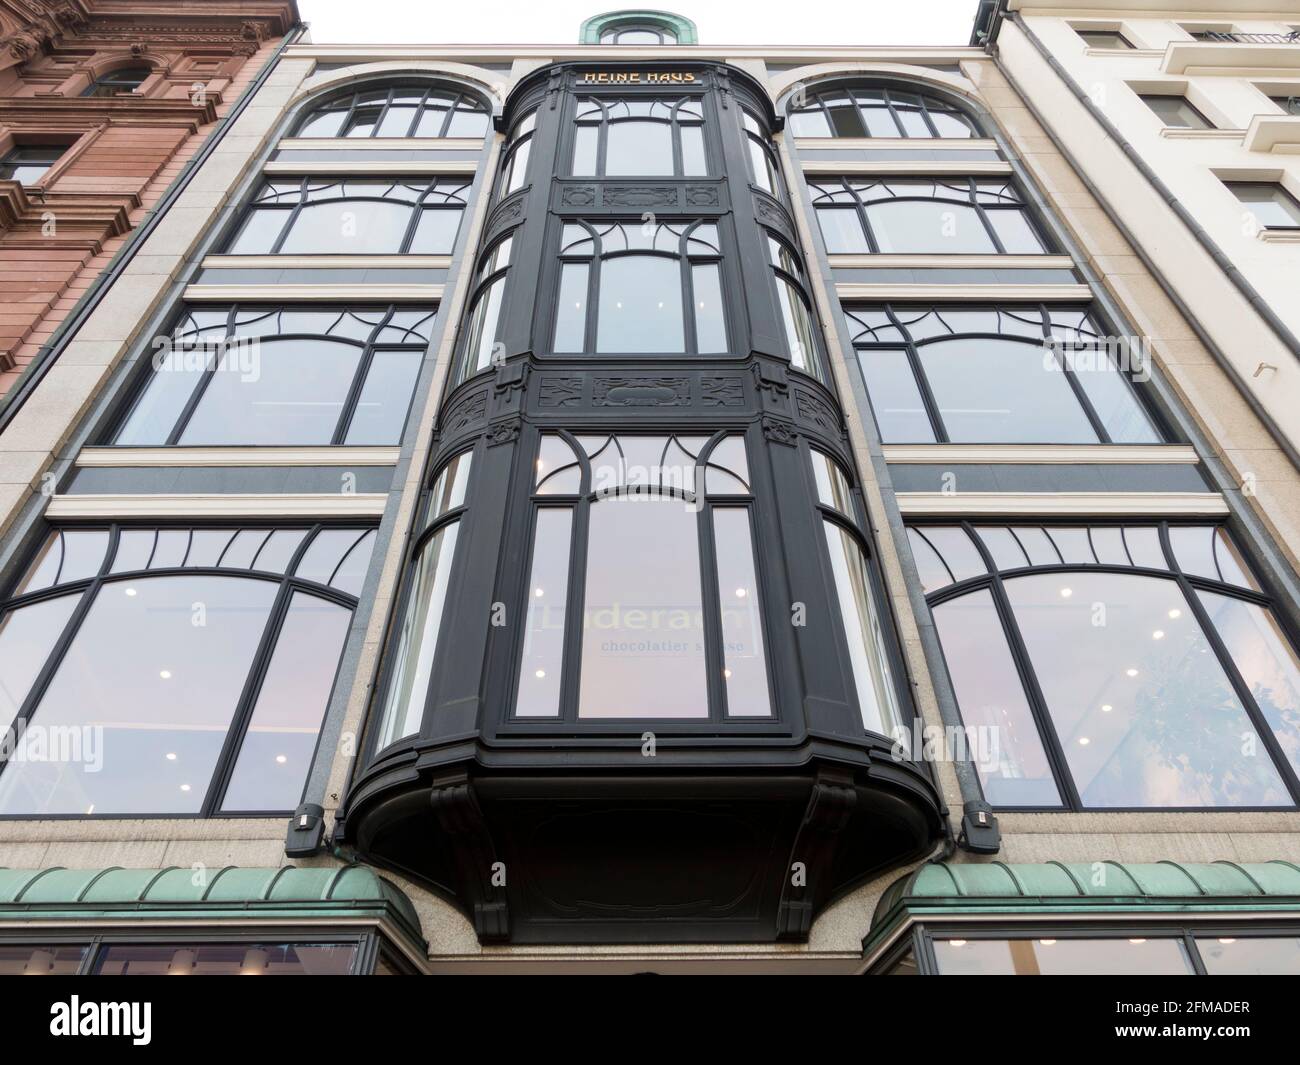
940,890
285,894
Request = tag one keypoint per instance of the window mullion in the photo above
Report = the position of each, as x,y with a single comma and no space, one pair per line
711,599
571,657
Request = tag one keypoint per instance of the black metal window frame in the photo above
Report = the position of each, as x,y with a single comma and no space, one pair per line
493,271
567,722
1187,584
913,348
370,944
837,193
291,196
601,104
348,104
1278,190
232,333
816,101
612,34
119,80
1234,37
22,156
757,138
787,268
685,256
89,589
920,938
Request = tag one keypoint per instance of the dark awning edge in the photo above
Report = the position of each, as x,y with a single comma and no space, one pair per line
346,893
939,889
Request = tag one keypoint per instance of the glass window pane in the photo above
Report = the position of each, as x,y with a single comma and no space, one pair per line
639,149
1207,551
292,393
1114,400
467,123
1271,206
895,397
744,663
449,489
643,635
548,595
956,550
27,636
842,231
147,691
832,486
710,323
1005,746
571,314
517,166
349,227
417,642
640,306
866,642
879,122
276,753
1062,957
999,391
845,118
67,555
762,167
585,141
810,124
226,959
1266,661
693,162
1142,707
435,233
323,124
328,550
1016,232
798,329
483,327
52,959
385,399
915,226
165,394
1248,955
258,233
951,125
1175,111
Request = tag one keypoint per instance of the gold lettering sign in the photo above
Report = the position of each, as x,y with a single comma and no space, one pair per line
637,77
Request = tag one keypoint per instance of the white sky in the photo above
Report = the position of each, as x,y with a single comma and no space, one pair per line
849,22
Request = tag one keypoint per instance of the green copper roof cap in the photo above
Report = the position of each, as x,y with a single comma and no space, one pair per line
283,893
937,889
594,28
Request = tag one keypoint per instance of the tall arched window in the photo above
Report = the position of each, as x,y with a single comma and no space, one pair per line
191,667
762,159
485,306
797,317
643,136
114,82
514,162
877,111
640,288
643,595
1115,667
398,111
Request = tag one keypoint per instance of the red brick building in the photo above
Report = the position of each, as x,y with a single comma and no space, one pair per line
102,102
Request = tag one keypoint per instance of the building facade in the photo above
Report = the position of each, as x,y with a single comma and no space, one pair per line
648,505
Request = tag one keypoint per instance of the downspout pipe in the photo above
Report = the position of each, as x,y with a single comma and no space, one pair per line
50,351
1279,328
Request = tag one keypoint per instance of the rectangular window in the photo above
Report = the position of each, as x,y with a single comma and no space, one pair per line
27,165
1062,957
226,959
1112,40
1177,112
1272,206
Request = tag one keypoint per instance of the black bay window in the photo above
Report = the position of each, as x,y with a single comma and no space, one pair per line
352,216
1028,374
643,596
1115,667
648,136
949,216
877,111
398,111
630,287
173,671
250,374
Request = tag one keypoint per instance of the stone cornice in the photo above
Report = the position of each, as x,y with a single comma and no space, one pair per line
90,111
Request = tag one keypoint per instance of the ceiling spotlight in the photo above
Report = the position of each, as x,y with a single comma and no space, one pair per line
166,674
1159,634
1175,613
1131,672
1084,741
1066,593
281,759
171,756
1106,708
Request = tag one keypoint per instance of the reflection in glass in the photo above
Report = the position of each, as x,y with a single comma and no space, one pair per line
48,959
1005,744
417,642
226,959
548,593
643,633
1061,957
1142,707
744,664
866,643
281,737
1250,955
640,306
27,636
